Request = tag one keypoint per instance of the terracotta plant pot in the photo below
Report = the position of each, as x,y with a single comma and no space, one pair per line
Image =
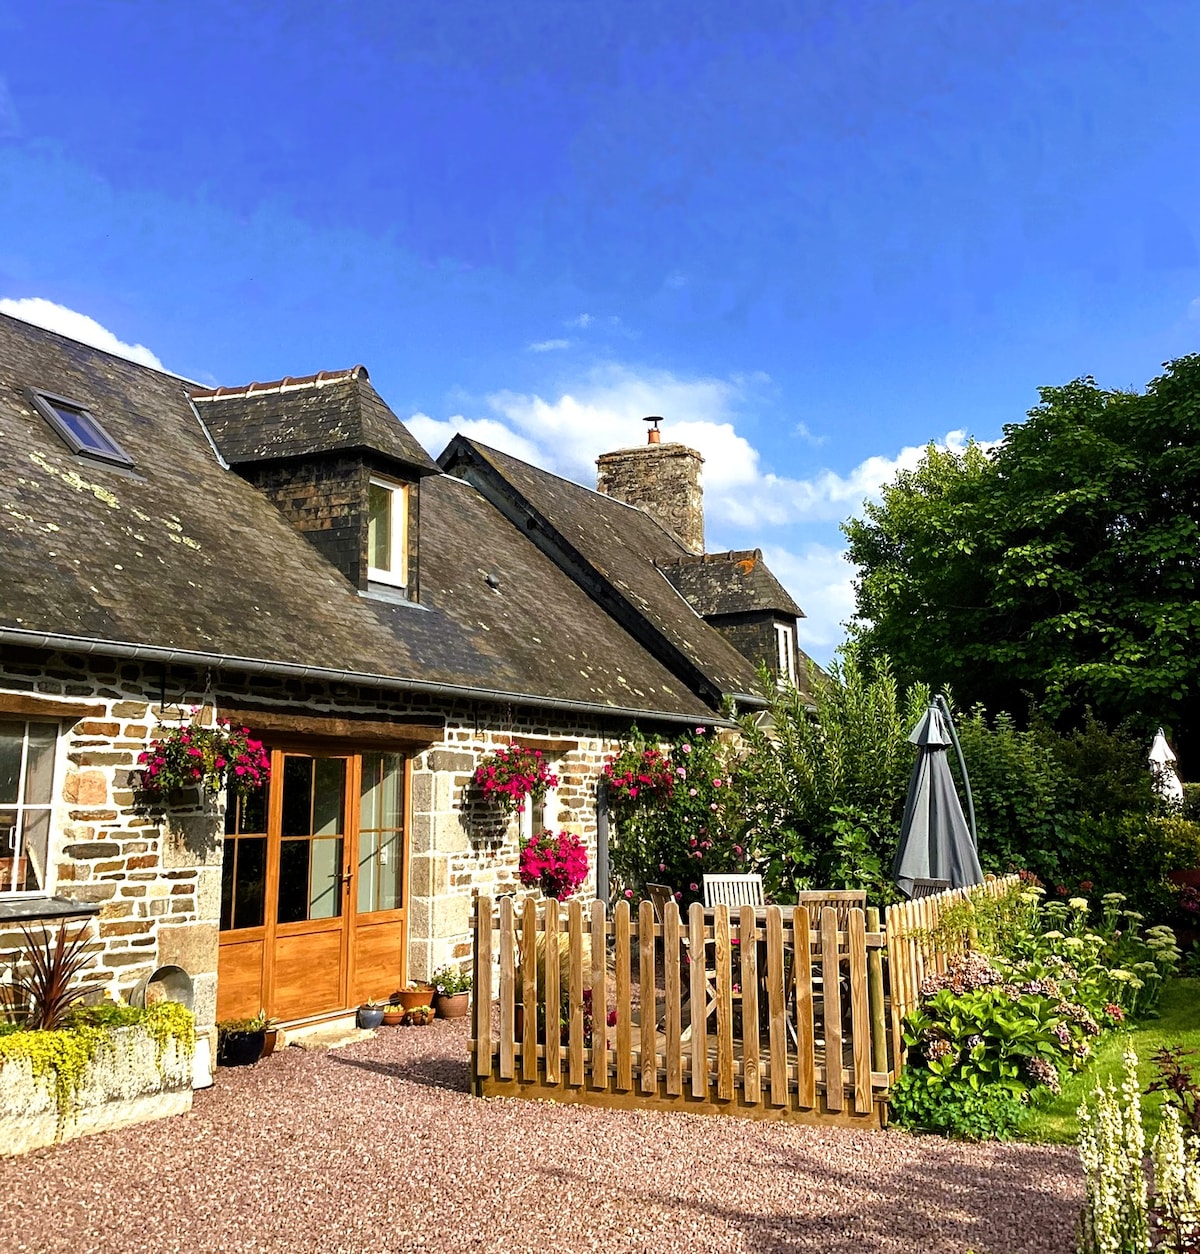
411,998
392,1016
270,1040
452,1007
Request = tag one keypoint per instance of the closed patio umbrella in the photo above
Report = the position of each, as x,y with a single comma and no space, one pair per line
935,842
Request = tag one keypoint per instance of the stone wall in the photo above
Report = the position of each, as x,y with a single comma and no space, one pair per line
159,885
662,479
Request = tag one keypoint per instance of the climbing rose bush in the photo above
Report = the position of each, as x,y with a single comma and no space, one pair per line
640,775
212,758
514,773
556,863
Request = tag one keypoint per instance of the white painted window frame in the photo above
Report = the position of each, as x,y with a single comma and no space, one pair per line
785,652
23,808
399,535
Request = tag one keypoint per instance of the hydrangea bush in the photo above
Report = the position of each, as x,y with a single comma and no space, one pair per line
997,1031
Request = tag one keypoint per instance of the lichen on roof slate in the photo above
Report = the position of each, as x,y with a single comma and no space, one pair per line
320,413
736,582
185,554
622,544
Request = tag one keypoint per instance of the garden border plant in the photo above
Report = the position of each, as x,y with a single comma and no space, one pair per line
995,1034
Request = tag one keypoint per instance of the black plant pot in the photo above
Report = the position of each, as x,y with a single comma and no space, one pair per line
241,1049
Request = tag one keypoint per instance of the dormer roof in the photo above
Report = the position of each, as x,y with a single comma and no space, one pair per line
735,582
328,412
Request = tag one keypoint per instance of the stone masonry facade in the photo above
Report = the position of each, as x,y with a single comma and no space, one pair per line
158,884
662,479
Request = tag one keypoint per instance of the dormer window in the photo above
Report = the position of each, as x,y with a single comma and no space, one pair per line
387,532
79,429
785,652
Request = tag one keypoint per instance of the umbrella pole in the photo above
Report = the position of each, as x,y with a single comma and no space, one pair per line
940,701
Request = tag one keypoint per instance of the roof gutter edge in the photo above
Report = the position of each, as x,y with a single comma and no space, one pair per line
296,670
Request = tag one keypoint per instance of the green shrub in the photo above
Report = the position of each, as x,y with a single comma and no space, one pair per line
953,1107
824,778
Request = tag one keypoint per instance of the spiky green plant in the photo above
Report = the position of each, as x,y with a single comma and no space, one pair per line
43,988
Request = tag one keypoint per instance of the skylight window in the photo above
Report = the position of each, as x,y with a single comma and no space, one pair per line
80,429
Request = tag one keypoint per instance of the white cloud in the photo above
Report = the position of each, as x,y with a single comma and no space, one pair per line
433,434
77,326
744,504
1193,310
604,411
802,432
548,346
583,320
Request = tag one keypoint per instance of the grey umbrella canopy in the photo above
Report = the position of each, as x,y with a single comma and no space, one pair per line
935,842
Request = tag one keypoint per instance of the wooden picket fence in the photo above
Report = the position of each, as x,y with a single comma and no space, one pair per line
919,947
726,1011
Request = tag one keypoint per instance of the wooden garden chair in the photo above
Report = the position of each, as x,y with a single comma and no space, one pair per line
928,888
733,890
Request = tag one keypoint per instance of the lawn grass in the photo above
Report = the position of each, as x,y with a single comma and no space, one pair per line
1178,1024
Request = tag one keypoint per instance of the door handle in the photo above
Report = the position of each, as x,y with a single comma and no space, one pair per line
347,878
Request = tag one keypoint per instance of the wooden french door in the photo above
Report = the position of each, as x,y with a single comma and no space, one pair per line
314,886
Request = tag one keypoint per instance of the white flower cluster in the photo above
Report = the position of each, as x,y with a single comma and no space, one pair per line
1117,1215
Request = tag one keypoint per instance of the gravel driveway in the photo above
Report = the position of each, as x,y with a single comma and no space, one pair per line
378,1146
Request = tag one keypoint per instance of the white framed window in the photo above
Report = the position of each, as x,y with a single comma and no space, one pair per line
387,532
28,750
785,652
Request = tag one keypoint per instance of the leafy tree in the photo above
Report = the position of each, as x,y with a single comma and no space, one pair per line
1058,569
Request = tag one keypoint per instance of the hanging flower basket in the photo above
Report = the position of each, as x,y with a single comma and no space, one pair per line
189,756
557,863
513,774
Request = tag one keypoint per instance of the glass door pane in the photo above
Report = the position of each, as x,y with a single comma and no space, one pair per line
312,836
381,833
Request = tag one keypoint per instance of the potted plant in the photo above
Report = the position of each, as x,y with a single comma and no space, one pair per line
270,1034
413,995
370,1014
453,988
240,1042
418,1017
514,774
393,1013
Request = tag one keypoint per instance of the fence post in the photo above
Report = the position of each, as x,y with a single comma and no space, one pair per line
879,1050
483,990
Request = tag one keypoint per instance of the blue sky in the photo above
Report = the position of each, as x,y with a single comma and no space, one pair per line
814,236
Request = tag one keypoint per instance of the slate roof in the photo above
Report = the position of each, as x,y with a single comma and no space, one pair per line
737,582
614,547
184,554
319,413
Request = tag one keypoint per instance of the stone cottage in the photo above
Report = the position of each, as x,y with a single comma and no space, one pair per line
285,556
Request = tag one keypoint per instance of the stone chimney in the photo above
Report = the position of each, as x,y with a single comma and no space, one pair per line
662,479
